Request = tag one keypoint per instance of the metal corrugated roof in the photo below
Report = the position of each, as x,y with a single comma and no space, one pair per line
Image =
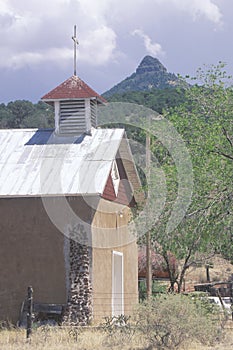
38,163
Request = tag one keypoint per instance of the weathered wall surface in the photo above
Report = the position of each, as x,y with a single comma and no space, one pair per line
34,252
31,253
110,233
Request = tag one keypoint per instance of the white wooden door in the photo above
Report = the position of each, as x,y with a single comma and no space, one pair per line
117,284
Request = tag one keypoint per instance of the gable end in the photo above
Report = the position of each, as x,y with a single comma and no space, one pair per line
124,194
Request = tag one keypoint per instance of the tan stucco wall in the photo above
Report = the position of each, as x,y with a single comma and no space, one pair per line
31,253
110,233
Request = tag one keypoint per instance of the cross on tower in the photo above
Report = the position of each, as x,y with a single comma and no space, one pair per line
74,37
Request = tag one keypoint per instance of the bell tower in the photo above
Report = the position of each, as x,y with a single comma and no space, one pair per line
75,104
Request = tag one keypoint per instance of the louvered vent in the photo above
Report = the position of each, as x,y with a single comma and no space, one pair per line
72,118
93,113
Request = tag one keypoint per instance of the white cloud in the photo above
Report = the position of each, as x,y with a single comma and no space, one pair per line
208,9
21,59
32,30
98,46
199,8
154,49
95,9
97,49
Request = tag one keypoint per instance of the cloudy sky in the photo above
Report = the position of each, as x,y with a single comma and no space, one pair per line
36,47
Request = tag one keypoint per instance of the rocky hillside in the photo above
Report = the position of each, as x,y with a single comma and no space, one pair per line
150,74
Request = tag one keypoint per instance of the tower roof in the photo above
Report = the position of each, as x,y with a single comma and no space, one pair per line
72,88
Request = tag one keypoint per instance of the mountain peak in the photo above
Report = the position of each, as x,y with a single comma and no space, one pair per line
150,74
150,64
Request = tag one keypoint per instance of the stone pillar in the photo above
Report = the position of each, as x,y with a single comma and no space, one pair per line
79,308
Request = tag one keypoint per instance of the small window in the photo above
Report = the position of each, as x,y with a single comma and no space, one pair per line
115,177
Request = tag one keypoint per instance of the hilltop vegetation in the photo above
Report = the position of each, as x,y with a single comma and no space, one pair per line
150,74
25,114
156,99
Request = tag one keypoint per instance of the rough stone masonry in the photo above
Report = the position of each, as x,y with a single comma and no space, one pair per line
79,308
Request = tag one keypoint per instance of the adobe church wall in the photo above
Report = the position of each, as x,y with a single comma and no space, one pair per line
34,252
31,254
111,233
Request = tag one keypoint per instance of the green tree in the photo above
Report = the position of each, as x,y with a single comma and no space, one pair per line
6,117
42,117
206,124
156,99
204,121
20,110
25,114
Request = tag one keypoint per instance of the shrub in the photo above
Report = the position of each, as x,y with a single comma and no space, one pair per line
170,321
118,330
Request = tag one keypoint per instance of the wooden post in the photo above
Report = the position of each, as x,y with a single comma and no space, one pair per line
148,235
231,286
207,273
208,266
148,266
29,311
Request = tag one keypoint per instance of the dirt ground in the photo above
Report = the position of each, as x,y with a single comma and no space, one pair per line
222,271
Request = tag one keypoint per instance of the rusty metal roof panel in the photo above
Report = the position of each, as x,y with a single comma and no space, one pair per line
72,88
39,163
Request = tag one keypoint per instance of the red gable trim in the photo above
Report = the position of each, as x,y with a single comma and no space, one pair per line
124,195
109,192
73,88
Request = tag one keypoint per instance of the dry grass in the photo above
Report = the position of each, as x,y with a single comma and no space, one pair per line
56,338
226,344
